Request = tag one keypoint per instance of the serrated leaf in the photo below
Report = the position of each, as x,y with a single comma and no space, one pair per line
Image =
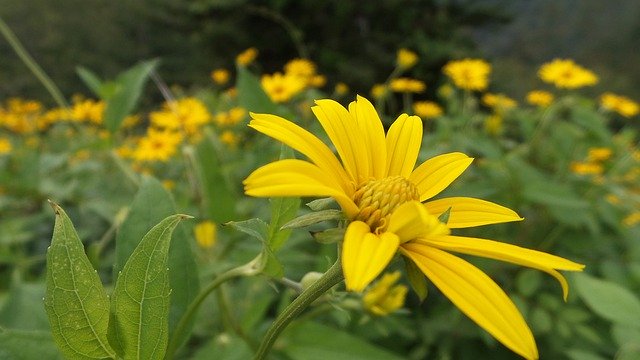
256,228
28,345
151,204
76,303
313,218
140,302
609,300
329,236
417,280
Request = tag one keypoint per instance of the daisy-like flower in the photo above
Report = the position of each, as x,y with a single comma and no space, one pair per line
385,200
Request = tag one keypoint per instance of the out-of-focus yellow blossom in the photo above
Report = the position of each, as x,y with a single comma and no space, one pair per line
169,184
300,67
493,124
620,104
427,109
231,117
566,74
131,121
539,98
125,151
229,138
613,199
586,168
232,93
157,145
407,85
281,88
187,114
384,297
378,91
20,116
599,154
5,146
80,156
205,233
341,89
632,219
318,81
220,76
247,57
445,91
469,74
32,142
498,102
88,110
406,59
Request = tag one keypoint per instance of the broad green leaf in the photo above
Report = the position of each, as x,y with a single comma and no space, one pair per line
28,345
416,278
90,79
609,300
256,228
129,86
23,308
282,210
251,96
140,302
528,281
151,204
313,218
76,302
311,341
554,194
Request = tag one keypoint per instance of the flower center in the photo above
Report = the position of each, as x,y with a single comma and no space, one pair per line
378,198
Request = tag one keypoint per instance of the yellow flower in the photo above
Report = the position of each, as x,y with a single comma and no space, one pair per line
493,124
318,81
220,76
539,98
468,74
300,67
169,184
586,168
231,117
407,85
88,110
427,109
281,88
565,73
205,233
341,89
229,138
599,154
187,114
632,219
613,199
247,57
620,104
157,145
378,91
445,91
406,59
5,146
383,297
499,102
383,197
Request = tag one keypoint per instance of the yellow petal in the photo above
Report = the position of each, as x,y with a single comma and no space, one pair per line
304,142
365,255
343,132
435,174
293,177
509,253
468,212
411,220
370,128
403,144
476,295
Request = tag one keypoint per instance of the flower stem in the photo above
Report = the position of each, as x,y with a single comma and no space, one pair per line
332,277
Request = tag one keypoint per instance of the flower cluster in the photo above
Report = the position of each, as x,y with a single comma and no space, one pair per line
620,104
566,74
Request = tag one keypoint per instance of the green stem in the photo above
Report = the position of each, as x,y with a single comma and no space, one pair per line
32,65
332,277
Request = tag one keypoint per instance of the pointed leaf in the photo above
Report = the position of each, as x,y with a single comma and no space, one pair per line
416,278
314,218
609,300
76,302
90,79
140,304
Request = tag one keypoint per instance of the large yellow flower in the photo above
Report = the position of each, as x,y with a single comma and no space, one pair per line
383,197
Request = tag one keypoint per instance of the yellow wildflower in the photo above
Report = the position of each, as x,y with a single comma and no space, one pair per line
613,199
205,233
168,184
232,93
382,195
407,85
220,76
5,146
620,104
498,102
632,219
341,89
281,88
539,98
300,67
586,168
88,110
21,116
157,145
468,74
445,91
187,114
318,81
493,124
229,138
427,109
131,121
406,59
565,73
231,117
383,297
378,91
247,57
599,154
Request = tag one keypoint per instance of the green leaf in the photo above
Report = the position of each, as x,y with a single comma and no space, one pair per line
140,304
256,228
251,96
282,210
554,194
151,204
76,302
329,236
609,300
129,86
28,345
313,218
23,307
578,354
528,281
321,204
624,334
90,79
416,278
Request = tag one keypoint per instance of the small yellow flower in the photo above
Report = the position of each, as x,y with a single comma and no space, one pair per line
229,138
565,73
539,98
341,89
88,110
220,76
407,85
586,168
247,57
445,91
383,298
5,146
378,91
300,67
205,233
427,109
599,154
620,104
318,81
157,145
406,59
499,102
468,74
169,184
187,114
493,124
281,88
613,199
231,93
631,219
231,117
